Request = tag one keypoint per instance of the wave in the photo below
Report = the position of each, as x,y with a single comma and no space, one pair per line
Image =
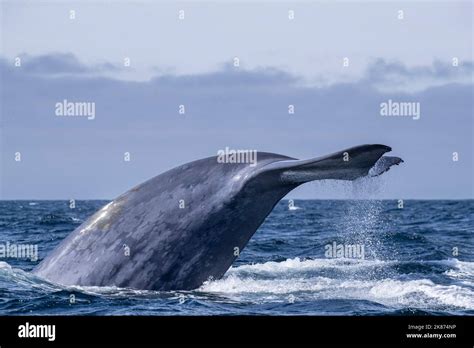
301,280
58,219
295,280
18,280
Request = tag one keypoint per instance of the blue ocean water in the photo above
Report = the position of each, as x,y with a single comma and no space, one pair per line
415,260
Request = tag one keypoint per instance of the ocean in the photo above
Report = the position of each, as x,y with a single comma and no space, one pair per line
322,257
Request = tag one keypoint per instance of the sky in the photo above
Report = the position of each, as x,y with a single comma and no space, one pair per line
190,62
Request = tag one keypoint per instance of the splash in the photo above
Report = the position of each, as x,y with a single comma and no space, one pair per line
323,279
363,223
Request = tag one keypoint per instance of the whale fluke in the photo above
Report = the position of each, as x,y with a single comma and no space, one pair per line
187,225
348,164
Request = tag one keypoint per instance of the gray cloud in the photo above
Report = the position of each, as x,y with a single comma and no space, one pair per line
231,107
60,63
396,75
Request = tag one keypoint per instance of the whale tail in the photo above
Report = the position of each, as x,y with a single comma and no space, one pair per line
349,164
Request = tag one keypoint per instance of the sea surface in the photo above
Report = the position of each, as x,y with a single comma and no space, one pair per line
415,260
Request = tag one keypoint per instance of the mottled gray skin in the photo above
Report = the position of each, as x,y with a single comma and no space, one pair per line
178,249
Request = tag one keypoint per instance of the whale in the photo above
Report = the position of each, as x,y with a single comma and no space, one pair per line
186,226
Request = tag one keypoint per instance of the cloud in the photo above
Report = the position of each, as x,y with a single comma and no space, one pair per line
380,74
232,107
230,76
54,64
397,76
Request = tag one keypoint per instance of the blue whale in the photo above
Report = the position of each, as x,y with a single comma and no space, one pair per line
187,225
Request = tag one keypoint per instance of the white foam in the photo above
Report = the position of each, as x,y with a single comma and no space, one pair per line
275,281
462,271
294,208
4,266
297,265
